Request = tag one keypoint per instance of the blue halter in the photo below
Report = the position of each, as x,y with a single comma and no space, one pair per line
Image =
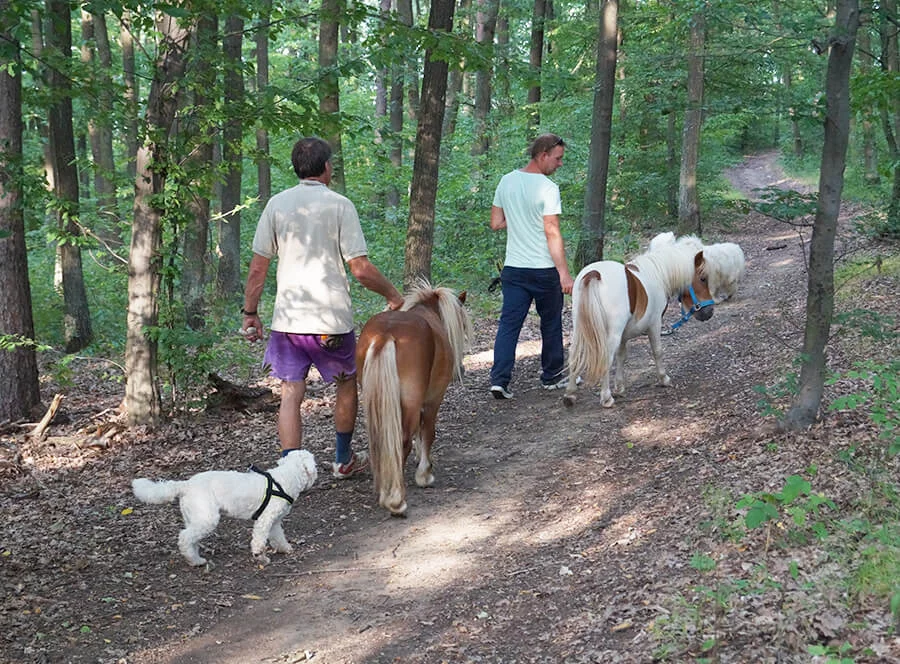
697,306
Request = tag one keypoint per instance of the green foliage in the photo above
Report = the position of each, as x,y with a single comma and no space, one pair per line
786,205
795,504
881,399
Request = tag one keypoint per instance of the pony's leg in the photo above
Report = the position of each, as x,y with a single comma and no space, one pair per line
621,356
606,397
656,348
424,442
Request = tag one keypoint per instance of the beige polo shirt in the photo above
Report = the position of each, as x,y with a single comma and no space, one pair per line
312,231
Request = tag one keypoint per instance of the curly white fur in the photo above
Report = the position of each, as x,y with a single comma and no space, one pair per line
725,263
206,496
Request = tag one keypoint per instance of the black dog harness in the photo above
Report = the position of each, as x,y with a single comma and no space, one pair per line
277,491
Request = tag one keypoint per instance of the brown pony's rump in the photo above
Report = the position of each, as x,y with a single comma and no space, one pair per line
405,360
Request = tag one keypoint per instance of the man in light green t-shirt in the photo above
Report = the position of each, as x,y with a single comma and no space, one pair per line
527,205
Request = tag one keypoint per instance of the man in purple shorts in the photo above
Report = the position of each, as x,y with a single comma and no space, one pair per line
312,231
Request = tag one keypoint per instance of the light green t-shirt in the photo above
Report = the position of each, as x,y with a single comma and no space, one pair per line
312,231
526,198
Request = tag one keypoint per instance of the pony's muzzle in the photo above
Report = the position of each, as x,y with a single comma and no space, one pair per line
704,313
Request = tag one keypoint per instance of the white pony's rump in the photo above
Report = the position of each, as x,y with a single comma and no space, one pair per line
206,496
725,264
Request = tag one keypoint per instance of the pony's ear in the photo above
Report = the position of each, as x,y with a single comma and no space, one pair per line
462,297
698,259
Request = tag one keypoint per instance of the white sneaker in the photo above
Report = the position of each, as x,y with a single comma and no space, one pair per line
501,392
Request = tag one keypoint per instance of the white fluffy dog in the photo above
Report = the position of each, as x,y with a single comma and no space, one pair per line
265,496
724,262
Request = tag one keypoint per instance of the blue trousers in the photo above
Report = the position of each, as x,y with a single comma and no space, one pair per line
522,286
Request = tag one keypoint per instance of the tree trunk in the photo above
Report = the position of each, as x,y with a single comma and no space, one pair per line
455,82
820,288
126,42
142,399
196,230
263,160
890,116
228,274
329,87
420,233
688,196
19,387
535,62
484,34
77,324
866,64
410,70
593,227
96,52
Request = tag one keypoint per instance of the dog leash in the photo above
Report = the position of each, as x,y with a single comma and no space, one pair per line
278,492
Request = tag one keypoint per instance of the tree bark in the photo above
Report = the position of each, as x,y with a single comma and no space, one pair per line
486,24
867,119
820,286
228,274
593,227
126,43
142,398
96,53
420,232
688,196
263,160
77,317
329,87
535,63
19,387
890,116
198,167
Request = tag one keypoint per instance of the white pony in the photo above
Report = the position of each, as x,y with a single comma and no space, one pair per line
612,303
725,264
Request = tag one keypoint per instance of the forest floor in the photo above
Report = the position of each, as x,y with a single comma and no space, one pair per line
551,534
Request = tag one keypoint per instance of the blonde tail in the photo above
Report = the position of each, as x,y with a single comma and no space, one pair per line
382,409
588,356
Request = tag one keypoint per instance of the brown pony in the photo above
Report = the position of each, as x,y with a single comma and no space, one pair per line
405,360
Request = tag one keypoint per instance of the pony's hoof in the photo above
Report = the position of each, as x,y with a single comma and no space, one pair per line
400,514
425,482
608,402
568,400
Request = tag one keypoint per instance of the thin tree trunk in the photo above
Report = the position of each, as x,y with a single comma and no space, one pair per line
142,398
263,160
455,81
96,51
484,34
410,68
866,63
593,227
535,63
126,43
890,116
19,387
820,288
196,230
228,274
688,196
77,317
329,86
420,233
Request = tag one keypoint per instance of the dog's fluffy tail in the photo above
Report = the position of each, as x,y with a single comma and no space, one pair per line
148,491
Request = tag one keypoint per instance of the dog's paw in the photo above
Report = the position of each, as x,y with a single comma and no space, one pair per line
283,548
262,559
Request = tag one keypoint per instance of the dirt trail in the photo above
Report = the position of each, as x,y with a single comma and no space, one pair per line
551,535
547,527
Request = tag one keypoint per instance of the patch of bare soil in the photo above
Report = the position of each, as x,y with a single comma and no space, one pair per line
551,535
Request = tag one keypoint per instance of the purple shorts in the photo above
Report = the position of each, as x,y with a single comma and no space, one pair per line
291,355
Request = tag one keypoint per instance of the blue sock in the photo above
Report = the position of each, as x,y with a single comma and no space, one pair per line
284,453
342,449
